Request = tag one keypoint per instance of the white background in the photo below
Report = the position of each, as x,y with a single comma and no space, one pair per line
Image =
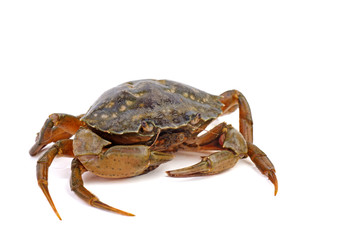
297,62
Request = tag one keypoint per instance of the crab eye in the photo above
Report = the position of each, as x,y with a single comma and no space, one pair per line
195,119
147,127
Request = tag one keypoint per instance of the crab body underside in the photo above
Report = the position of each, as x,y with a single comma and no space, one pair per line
133,128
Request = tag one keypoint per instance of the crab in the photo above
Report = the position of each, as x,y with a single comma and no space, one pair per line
133,128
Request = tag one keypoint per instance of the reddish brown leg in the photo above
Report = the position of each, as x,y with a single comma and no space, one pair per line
224,137
263,163
61,147
77,185
232,100
207,141
56,127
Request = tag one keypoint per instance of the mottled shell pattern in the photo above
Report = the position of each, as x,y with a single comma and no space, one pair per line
164,104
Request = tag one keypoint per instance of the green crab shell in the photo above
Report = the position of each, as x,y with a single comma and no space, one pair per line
163,103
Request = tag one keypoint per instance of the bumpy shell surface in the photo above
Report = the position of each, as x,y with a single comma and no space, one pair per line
163,103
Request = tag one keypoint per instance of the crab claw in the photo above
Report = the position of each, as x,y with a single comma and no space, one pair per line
214,163
194,170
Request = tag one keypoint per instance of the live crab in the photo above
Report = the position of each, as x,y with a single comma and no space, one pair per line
134,127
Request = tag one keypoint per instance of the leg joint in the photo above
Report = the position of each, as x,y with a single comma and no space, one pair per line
234,141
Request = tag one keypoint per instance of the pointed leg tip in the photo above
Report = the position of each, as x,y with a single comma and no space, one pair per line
44,187
55,211
101,205
273,179
124,213
275,187
57,214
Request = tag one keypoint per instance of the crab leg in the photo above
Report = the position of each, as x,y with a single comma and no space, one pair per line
58,126
77,185
61,147
233,145
263,163
225,137
119,161
232,100
128,158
